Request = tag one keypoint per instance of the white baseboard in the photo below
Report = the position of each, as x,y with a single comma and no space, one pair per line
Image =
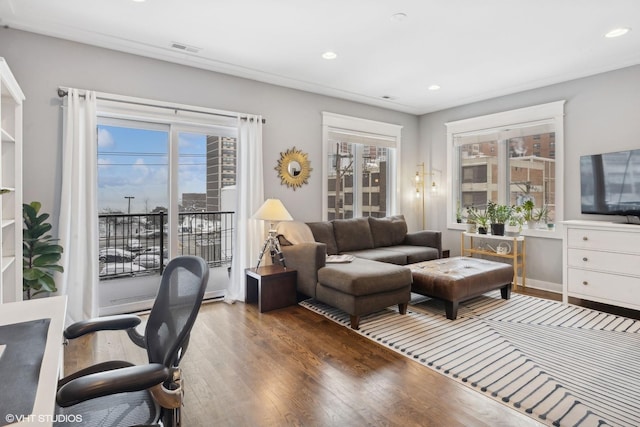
542,285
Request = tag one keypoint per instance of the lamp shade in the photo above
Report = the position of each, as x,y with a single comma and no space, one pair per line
272,210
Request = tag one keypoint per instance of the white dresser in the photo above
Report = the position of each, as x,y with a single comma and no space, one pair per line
601,262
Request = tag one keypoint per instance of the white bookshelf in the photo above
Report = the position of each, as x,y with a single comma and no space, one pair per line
11,185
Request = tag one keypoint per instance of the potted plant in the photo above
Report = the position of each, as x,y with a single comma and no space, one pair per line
527,210
479,218
539,216
498,216
514,225
471,219
40,252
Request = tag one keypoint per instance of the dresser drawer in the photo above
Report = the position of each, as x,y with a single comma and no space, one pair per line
617,241
604,287
604,261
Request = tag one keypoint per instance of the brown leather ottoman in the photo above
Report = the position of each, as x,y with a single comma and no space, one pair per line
461,278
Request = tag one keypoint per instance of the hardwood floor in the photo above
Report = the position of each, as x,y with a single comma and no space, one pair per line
294,367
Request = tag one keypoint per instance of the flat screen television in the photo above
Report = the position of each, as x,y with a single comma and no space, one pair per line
610,184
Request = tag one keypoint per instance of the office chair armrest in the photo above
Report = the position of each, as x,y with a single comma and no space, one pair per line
112,323
133,378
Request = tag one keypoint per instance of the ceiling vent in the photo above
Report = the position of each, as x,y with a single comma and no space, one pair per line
185,47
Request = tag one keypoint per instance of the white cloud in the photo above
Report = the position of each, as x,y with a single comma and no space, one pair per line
105,139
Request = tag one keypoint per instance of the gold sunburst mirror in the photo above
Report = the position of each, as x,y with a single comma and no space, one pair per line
294,168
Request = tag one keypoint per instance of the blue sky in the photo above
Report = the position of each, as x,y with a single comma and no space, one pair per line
134,162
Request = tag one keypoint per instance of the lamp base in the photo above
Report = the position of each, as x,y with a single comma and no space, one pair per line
273,245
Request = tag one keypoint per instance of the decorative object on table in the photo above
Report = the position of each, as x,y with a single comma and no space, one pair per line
498,216
40,252
479,218
503,248
527,210
294,168
540,217
272,210
516,219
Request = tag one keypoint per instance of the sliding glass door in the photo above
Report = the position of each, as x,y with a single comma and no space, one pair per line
164,189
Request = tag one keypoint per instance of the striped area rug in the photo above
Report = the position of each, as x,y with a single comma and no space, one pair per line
562,365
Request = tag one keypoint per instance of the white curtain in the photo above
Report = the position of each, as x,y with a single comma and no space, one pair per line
250,192
77,227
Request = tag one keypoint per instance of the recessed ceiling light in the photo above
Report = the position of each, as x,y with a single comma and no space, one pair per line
139,1
433,87
329,55
398,17
617,32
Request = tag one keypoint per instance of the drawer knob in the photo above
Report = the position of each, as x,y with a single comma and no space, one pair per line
585,283
585,259
585,238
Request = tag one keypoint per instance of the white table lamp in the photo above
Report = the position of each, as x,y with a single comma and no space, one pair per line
272,210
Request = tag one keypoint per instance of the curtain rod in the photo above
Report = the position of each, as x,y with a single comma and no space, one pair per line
62,92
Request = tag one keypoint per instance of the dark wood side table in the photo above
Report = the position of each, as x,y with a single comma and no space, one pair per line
271,286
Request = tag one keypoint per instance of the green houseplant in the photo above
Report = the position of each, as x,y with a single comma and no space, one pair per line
479,218
40,252
498,216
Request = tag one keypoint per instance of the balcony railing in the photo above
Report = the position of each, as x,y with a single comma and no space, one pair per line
137,244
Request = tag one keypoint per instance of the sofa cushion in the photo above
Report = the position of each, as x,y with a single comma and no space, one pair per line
388,231
323,233
382,255
364,277
415,254
295,232
352,234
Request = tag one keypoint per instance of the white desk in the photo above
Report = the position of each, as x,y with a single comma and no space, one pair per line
52,308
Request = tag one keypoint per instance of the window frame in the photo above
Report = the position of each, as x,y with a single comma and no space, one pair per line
173,120
378,133
552,112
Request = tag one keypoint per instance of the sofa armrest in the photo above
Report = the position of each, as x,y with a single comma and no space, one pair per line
307,259
429,238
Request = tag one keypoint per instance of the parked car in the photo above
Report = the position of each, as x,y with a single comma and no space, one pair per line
149,260
155,250
115,255
113,268
149,233
134,245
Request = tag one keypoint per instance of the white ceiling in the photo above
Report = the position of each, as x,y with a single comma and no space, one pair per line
473,49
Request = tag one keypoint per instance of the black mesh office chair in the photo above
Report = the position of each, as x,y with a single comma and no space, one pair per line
118,393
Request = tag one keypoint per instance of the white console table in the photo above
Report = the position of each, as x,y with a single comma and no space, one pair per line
13,316
601,262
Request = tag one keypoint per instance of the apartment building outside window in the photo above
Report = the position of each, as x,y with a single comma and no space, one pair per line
359,168
507,158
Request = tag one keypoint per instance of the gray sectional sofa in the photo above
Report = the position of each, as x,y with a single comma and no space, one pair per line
374,279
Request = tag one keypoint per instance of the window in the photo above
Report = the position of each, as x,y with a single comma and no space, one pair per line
359,169
507,158
166,182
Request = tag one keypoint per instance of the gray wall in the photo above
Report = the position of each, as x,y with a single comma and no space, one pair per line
602,113
41,64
